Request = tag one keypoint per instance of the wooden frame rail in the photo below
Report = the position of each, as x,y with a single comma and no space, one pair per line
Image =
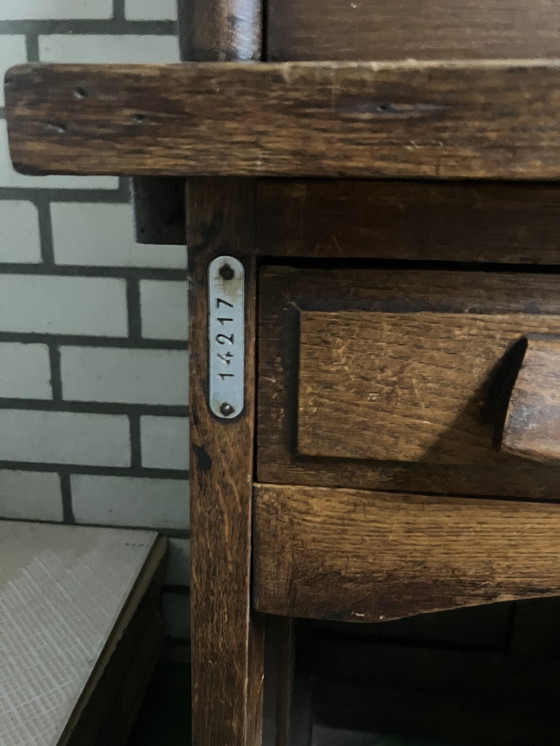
447,119
354,555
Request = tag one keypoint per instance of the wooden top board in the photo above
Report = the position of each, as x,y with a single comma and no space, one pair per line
417,29
446,119
62,590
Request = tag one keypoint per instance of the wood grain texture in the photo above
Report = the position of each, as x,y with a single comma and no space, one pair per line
221,30
404,386
366,556
532,427
208,30
496,119
467,222
418,29
288,293
228,644
227,639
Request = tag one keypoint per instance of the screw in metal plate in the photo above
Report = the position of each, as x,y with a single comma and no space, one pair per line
226,409
227,272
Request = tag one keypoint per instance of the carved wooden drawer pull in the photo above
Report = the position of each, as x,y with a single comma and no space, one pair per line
532,426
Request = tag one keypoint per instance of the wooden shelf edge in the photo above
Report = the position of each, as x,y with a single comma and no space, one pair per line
473,119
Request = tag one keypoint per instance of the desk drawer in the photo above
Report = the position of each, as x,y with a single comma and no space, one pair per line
398,379
407,387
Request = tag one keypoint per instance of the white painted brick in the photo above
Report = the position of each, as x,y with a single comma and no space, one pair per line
12,52
63,305
164,308
124,375
179,562
177,615
30,495
19,232
131,501
64,438
148,10
25,371
106,48
45,10
10,178
90,234
165,442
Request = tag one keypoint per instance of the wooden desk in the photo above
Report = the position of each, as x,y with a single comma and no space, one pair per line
390,232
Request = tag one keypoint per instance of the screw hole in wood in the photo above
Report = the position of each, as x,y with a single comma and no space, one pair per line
57,127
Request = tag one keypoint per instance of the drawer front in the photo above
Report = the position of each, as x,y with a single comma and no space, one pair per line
407,387
398,379
365,556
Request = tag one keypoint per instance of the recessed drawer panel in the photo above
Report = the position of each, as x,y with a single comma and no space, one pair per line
399,379
406,386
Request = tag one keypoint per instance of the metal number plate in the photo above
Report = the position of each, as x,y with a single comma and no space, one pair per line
226,328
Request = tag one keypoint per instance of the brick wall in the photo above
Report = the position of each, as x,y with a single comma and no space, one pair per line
93,327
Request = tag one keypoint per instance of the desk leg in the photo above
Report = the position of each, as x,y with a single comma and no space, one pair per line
227,638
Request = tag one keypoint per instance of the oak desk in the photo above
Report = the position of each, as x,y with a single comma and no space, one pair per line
373,259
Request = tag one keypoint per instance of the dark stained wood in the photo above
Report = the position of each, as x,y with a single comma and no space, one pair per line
532,427
288,294
108,706
404,386
227,639
466,222
496,119
365,556
417,29
159,209
227,698
120,719
208,30
220,30
474,628
286,672
279,681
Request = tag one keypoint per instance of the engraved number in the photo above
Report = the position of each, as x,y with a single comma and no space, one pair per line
221,301
225,339
225,335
